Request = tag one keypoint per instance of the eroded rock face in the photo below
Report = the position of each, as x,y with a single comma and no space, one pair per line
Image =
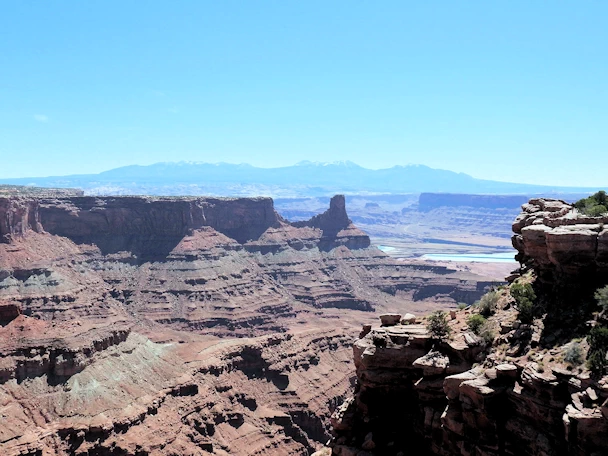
461,398
187,326
173,261
17,216
152,227
414,395
568,251
129,395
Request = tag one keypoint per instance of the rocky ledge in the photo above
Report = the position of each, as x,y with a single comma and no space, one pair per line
568,251
522,389
457,398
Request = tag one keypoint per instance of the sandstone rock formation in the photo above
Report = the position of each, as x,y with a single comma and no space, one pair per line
516,395
187,326
567,250
568,253
437,398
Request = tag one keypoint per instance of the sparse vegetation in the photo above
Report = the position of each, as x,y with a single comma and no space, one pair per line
598,345
475,322
601,296
524,300
574,354
462,305
488,302
486,332
438,325
596,362
595,205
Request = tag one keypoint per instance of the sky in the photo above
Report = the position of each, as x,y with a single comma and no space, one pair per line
506,90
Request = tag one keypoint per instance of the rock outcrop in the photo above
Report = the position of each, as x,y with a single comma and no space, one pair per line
336,228
440,398
518,394
567,250
17,216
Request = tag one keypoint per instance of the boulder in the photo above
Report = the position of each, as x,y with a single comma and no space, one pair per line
433,363
365,331
408,319
390,319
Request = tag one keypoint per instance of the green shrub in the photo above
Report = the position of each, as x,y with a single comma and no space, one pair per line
462,305
598,345
524,300
598,338
486,332
488,302
594,205
601,296
596,362
475,322
438,325
574,354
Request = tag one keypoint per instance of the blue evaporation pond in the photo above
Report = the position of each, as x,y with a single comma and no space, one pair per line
503,257
385,248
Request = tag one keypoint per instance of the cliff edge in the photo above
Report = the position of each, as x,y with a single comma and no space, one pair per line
518,387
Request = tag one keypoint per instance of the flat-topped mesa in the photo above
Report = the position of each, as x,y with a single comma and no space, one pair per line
428,201
153,226
567,250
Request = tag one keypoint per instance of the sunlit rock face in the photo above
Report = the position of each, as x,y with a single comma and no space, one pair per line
514,396
568,251
187,326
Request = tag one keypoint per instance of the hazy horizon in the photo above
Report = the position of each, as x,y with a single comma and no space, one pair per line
313,175
512,92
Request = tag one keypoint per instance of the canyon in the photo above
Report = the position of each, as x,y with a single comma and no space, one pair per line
188,325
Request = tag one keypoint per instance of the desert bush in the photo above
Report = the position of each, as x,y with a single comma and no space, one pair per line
574,354
594,205
601,296
487,333
524,300
598,345
488,302
475,322
438,325
462,305
598,338
596,362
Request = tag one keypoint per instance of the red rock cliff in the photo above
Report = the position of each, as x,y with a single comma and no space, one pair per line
17,216
515,393
568,251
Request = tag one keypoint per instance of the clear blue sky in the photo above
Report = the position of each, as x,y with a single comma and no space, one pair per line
506,90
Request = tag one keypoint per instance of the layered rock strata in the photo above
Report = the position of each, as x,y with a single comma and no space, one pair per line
567,250
186,326
415,396
225,266
129,395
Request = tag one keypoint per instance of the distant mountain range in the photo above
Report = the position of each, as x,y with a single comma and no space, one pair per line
304,179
